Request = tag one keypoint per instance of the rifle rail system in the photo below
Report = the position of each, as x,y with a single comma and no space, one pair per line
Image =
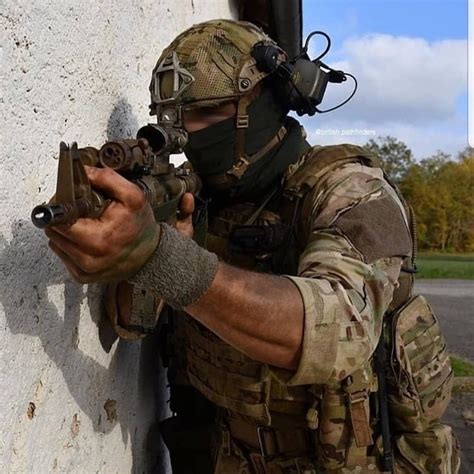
162,183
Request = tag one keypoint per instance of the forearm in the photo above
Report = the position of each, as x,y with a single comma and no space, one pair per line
259,314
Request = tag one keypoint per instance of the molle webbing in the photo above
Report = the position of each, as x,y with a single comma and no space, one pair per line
232,380
318,160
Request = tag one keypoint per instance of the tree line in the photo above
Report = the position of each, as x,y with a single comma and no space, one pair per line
440,190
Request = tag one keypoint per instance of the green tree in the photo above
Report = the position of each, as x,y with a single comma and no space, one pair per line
440,191
433,164
395,155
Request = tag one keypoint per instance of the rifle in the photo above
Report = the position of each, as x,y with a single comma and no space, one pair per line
143,161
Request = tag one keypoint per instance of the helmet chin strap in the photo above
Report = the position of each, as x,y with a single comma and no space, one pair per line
241,160
241,125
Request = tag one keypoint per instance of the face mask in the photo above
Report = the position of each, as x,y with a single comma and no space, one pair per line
211,150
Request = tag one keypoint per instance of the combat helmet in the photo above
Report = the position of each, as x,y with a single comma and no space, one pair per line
207,65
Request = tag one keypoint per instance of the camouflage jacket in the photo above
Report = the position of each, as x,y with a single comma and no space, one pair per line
356,234
351,238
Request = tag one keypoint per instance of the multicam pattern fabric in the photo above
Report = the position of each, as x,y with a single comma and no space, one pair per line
354,232
214,53
345,295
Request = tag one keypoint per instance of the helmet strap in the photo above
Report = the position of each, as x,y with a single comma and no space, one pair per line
241,165
241,126
241,160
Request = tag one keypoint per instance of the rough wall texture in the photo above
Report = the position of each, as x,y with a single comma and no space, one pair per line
72,399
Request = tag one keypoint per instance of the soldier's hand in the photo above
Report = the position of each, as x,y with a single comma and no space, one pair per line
115,245
184,225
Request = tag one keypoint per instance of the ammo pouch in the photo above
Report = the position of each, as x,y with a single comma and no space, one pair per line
419,383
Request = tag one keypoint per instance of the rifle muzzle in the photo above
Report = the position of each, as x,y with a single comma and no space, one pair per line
46,215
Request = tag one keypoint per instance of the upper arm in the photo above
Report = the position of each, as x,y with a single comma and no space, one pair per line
357,238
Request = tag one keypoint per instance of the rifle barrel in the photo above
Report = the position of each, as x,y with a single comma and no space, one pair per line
47,215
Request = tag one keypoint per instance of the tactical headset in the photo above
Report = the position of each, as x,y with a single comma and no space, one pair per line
300,83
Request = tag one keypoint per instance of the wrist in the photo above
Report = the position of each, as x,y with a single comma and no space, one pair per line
179,270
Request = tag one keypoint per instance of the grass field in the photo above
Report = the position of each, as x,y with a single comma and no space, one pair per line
458,266
461,368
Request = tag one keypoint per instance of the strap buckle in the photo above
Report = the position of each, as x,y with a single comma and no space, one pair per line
357,389
357,397
357,382
242,121
239,168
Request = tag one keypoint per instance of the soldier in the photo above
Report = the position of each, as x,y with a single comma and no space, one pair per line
279,304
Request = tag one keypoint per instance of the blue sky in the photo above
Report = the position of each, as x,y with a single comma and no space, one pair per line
410,57
429,19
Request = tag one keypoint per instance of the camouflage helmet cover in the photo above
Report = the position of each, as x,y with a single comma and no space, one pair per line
208,64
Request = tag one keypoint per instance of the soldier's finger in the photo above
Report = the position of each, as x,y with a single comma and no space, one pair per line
116,186
87,263
82,233
186,205
77,273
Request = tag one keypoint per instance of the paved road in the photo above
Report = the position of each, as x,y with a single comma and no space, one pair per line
453,302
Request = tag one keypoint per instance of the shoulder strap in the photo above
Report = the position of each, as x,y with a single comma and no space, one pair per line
302,176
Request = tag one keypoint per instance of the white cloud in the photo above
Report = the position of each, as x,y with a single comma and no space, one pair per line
408,87
404,78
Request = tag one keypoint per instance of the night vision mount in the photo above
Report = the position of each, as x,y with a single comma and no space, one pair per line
300,83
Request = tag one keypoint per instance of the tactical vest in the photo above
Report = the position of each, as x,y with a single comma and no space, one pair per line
335,420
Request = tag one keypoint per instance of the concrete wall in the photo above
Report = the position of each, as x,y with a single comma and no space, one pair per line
72,397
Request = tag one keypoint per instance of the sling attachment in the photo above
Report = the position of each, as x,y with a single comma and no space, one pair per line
357,389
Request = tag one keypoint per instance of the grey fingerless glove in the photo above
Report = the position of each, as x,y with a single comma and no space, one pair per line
179,271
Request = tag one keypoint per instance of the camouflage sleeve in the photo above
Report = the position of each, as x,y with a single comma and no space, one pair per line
357,238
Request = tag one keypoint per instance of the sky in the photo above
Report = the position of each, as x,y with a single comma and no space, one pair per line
410,60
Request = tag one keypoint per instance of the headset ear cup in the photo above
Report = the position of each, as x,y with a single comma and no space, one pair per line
286,91
282,91
299,84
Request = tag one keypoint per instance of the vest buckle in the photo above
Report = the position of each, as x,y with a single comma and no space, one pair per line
239,168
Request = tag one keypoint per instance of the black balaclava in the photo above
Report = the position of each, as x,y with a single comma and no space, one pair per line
211,150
